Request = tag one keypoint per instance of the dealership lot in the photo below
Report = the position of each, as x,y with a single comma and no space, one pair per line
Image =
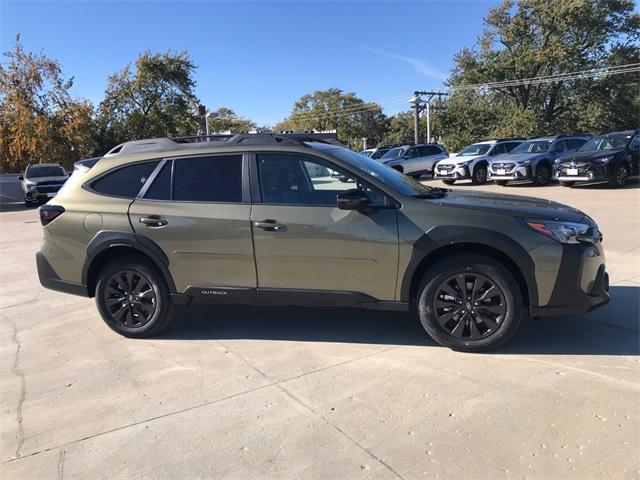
241,392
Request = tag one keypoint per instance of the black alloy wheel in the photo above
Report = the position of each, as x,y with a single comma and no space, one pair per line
479,176
620,176
469,306
130,298
543,175
133,298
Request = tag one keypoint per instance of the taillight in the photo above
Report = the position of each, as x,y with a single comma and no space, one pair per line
48,213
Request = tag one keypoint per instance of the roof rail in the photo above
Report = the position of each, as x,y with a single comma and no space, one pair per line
139,146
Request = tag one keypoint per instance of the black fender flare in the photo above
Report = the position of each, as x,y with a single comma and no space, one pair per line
106,239
450,235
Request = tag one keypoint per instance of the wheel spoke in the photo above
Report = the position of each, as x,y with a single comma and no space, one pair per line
497,309
459,328
446,288
443,303
444,319
474,333
491,291
490,323
120,314
477,283
460,280
148,294
114,301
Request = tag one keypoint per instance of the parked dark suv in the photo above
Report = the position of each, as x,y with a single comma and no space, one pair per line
264,219
612,157
533,159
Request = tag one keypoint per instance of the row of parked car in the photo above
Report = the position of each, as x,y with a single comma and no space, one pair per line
570,159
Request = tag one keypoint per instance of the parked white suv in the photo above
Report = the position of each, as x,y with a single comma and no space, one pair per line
415,160
472,161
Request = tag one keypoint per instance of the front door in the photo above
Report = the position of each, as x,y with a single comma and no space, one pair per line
195,210
303,241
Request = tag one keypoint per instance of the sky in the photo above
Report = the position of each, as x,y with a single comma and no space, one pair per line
256,57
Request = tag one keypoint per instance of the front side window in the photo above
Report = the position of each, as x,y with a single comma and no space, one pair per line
126,181
634,146
394,153
607,142
208,179
559,147
297,180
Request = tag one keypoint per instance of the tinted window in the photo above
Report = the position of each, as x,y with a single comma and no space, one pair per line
559,147
126,181
499,148
413,152
510,146
160,189
296,180
475,149
432,150
575,143
36,171
208,179
635,143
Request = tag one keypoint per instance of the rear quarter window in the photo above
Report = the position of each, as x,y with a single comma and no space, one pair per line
125,181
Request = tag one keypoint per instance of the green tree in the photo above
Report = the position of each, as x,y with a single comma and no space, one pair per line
225,120
333,109
39,119
541,38
153,98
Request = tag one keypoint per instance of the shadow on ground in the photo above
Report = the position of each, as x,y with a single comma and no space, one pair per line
611,330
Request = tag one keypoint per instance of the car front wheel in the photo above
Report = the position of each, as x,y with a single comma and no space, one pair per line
447,181
479,176
133,298
502,183
471,303
620,176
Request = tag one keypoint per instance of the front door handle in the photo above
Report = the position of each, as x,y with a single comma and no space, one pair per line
270,226
154,221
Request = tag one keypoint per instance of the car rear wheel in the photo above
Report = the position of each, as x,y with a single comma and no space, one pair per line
543,175
479,176
620,176
502,183
567,184
133,298
471,303
448,181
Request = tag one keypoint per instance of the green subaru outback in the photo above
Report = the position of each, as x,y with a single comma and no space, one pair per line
296,220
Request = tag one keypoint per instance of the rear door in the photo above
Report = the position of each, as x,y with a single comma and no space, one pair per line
197,210
304,242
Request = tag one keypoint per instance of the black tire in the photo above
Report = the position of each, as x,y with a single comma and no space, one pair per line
133,323
486,272
479,175
543,175
620,175
567,184
448,181
502,183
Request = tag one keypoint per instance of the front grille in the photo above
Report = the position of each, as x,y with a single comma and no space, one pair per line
49,188
583,167
50,183
446,168
502,165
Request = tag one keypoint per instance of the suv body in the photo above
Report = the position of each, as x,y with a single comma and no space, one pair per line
39,182
612,157
246,221
415,160
533,159
472,161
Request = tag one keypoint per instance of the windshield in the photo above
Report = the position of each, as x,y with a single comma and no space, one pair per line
534,146
387,175
394,153
366,153
608,142
37,171
476,149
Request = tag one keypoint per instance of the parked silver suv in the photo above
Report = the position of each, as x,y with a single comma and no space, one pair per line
415,160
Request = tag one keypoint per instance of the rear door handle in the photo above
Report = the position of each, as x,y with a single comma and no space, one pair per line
154,221
270,226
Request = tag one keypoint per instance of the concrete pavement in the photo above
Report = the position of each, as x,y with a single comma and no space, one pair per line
240,392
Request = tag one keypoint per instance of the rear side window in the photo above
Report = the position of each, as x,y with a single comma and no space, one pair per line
208,179
125,182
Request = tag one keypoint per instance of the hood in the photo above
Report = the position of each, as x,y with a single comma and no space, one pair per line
512,205
37,180
458,159
515,157
589,156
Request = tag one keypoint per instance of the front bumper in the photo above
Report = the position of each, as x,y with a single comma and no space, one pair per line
582,283
459,172
519,172
50,279
586,173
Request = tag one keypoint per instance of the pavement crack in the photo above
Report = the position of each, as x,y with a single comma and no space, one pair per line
17,371
61,458
24,302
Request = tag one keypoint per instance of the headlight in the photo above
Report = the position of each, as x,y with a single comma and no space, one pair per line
556,161
464,164
563,232
604,159
524,162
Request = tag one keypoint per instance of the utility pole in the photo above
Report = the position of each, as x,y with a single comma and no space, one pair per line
416,101
439,106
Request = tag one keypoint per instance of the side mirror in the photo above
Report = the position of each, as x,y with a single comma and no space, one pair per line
353,199
20,177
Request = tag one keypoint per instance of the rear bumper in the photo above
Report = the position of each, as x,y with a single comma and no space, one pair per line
582,283
50,279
